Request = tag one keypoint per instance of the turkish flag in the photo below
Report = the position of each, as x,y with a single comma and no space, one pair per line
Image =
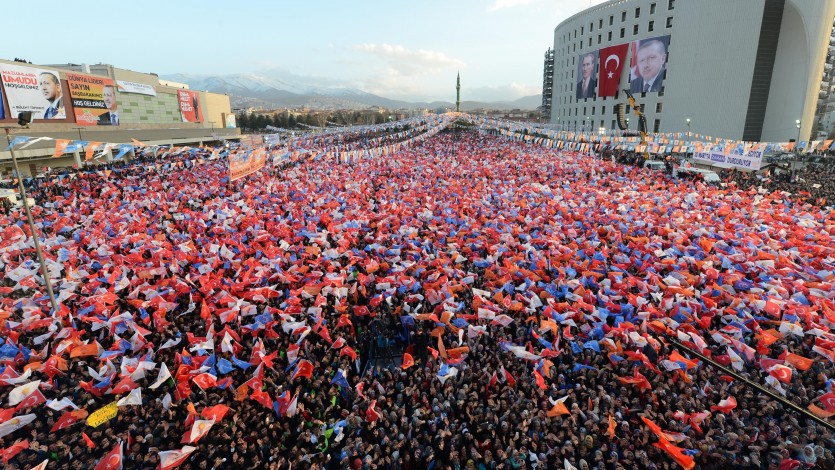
612,60
205,380
725,406
113,460
33,399
828,401
124,386
216,412
781,373
16,448
68,419
540,380
371,414
173,458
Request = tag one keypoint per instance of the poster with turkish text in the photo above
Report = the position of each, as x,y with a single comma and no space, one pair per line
190,107
93,100
35,90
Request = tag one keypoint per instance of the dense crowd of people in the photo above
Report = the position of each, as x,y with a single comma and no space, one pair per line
546,300
813,183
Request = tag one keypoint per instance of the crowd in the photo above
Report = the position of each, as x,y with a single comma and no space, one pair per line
540,294
813,183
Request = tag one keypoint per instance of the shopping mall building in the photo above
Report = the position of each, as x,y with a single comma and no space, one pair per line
102,104
754,70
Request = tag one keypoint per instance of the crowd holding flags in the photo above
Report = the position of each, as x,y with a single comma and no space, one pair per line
536,278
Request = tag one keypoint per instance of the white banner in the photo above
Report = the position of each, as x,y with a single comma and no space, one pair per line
749,157
33,89
133,87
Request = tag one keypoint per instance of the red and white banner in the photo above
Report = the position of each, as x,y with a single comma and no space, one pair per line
612,60
190,108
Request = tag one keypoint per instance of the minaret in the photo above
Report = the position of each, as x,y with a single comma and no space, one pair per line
458,93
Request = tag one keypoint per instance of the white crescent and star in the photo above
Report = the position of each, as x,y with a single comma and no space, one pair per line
613,56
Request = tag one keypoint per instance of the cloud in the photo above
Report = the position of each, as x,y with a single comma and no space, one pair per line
500,4
410,62
508,92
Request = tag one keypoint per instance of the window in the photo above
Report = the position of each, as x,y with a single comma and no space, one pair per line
603,110
658,107
657,126
582,30
600,24
591,27
661,91
622,32
669,21
635,29
623,16
637,13
651,26
589,41
627,110
610,36
651,8
584,110
671,5
611,20
613,124
599,38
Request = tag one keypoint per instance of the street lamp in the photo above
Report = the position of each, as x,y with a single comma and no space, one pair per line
797,142
688,126
23,120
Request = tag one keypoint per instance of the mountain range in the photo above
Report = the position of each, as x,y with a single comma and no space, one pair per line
247,90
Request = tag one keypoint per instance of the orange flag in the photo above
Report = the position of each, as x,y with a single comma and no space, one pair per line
408,361
88,441
799,362
612,426
60,147
558,408
91,148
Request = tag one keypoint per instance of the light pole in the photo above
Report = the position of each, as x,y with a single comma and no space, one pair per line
688,126
797,142
23,120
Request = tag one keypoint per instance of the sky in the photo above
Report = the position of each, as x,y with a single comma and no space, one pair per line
396,49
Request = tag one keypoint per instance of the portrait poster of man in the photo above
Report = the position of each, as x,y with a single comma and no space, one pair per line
649,64
586,75
33,89
93,100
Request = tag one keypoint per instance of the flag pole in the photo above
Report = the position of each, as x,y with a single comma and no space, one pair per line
34,232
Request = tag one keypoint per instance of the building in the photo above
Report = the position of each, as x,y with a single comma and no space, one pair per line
746,70
139,106
825,115
547,83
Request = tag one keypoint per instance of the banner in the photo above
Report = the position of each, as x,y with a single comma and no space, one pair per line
190,106
246,163
614,58
252,140
649,64
746,157
587,84
102,415
138,88
93,100
33,89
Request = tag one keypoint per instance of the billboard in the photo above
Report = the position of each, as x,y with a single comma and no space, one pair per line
231,121
649,64
745,156
33,89
190,108
586,73
246,162
93,100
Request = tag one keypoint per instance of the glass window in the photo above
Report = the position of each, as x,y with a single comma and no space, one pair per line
657,126
599,38
635,29
623,16
610,36
622,32
600,24
637,13
658,107
652,9
671,5
651,26
611,20
670,22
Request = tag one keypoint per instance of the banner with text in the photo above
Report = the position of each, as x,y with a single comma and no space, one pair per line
138,88
190,106
746,157
93,100
33,89
246,162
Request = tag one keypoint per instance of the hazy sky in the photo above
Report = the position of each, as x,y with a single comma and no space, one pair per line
405,50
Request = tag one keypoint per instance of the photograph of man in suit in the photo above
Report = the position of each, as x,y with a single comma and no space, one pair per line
587,85
195,103
111,117
51,89
651,58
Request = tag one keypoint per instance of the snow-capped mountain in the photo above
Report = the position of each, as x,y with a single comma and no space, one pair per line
250,89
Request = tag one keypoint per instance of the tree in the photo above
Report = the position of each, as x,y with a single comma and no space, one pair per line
243,120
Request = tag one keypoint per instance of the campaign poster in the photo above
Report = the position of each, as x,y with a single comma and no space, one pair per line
33,89
93,100
649,64
586,73
190,108
231,121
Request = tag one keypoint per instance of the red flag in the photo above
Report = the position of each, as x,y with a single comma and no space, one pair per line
88,441
781,373
493,379
262,398
510,379
790,464
304,369
216,412
540,380
68,419
205,380
16,448
124,386
828,401
174,458
408,361
113,460
725,406
371,414
33,399
612,427
348,351
612,60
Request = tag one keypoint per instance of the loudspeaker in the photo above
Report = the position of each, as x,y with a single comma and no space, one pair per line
24,118
621,112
